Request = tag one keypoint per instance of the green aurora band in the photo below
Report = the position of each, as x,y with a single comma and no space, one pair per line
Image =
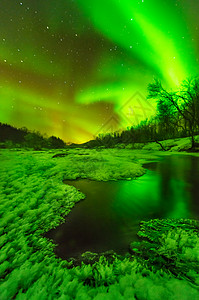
68,67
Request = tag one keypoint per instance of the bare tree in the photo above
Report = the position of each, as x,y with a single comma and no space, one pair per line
184,101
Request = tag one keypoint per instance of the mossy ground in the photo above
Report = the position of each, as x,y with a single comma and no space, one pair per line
34,199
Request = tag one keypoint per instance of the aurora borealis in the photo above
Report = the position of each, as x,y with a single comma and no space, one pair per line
67,67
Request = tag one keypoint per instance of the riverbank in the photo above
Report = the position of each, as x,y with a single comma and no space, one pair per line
34,200
174,145
170,145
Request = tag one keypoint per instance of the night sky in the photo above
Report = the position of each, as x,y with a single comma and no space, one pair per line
76,68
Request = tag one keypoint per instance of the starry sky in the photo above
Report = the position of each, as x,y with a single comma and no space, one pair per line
77,68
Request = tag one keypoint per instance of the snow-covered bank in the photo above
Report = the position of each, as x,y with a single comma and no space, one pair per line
171,145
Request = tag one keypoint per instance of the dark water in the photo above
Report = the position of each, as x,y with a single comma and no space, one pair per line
109,216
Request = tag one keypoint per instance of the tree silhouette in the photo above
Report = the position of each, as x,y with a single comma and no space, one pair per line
184,102
55,142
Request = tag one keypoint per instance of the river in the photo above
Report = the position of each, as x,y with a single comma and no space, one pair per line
108,218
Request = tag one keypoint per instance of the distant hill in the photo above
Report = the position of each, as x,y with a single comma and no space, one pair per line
89,144
11,136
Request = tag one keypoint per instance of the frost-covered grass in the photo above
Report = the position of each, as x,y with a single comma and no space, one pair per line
170,245
33,200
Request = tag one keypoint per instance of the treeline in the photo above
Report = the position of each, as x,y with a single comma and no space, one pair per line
21,137
177,116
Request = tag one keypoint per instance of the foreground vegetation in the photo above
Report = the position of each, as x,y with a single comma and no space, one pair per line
164,265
